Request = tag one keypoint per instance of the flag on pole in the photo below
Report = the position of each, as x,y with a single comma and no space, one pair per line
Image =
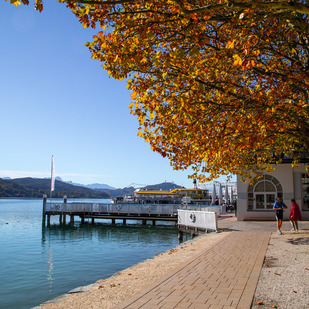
52,184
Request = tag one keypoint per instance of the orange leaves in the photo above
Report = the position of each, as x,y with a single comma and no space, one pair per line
218,95
134,95
237,61
248,64
245,64
230,44
38,4
16,3
140,134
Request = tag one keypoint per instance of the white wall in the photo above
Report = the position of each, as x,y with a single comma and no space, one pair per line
290,179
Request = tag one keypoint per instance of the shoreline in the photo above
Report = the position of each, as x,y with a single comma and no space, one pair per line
109,292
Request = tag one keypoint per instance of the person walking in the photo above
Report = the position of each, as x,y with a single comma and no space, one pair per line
278,208
295,215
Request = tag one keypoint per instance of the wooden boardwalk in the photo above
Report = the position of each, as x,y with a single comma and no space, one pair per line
143,212
222,277
124,212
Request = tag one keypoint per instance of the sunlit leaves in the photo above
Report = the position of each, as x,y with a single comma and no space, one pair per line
140,134
217,87
230,44
38,4
16,3
237,61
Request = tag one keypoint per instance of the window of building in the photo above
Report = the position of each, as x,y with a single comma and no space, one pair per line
305,183
263,193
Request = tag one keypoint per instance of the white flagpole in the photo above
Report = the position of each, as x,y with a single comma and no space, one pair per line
52,178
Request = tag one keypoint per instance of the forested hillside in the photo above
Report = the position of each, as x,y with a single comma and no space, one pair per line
36,187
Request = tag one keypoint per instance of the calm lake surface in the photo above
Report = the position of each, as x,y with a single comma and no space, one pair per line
40,263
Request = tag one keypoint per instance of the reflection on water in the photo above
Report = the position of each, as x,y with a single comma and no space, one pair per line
50,269
104,232
82,254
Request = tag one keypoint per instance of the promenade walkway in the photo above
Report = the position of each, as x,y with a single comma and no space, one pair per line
224,276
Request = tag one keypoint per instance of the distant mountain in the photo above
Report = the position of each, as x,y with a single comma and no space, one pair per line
99,186
119,192
11,189
90,186
36,187
163,185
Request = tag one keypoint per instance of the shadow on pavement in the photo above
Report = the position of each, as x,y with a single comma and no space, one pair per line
299,241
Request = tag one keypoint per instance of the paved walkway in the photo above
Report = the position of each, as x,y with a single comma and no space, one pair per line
224,276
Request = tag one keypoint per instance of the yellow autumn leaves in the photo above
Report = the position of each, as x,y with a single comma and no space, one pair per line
222,90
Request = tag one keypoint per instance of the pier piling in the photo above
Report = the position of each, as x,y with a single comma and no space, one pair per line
180,236
44,209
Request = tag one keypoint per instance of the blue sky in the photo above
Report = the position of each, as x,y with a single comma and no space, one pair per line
56,100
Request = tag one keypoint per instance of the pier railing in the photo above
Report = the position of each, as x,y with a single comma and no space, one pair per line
144,212
128,209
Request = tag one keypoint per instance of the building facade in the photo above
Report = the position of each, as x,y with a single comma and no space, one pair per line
255,201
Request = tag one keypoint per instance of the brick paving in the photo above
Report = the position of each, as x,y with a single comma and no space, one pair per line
223,276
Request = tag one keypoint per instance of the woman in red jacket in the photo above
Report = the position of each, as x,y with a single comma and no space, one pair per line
295,215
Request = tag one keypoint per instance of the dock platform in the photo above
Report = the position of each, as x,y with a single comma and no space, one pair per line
124,212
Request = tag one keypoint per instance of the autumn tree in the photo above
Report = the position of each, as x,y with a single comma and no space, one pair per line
220,86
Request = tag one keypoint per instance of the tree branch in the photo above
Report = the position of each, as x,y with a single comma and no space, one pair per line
100,2
279,5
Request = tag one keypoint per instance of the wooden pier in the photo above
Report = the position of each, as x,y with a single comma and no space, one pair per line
191,219
124,212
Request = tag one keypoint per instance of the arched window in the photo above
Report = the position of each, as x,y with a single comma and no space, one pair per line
263,193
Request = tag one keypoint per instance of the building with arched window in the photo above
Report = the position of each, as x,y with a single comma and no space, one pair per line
255,201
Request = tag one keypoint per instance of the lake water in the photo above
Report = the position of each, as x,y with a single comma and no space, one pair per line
40,263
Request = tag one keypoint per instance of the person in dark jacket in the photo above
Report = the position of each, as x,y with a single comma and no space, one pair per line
278,208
